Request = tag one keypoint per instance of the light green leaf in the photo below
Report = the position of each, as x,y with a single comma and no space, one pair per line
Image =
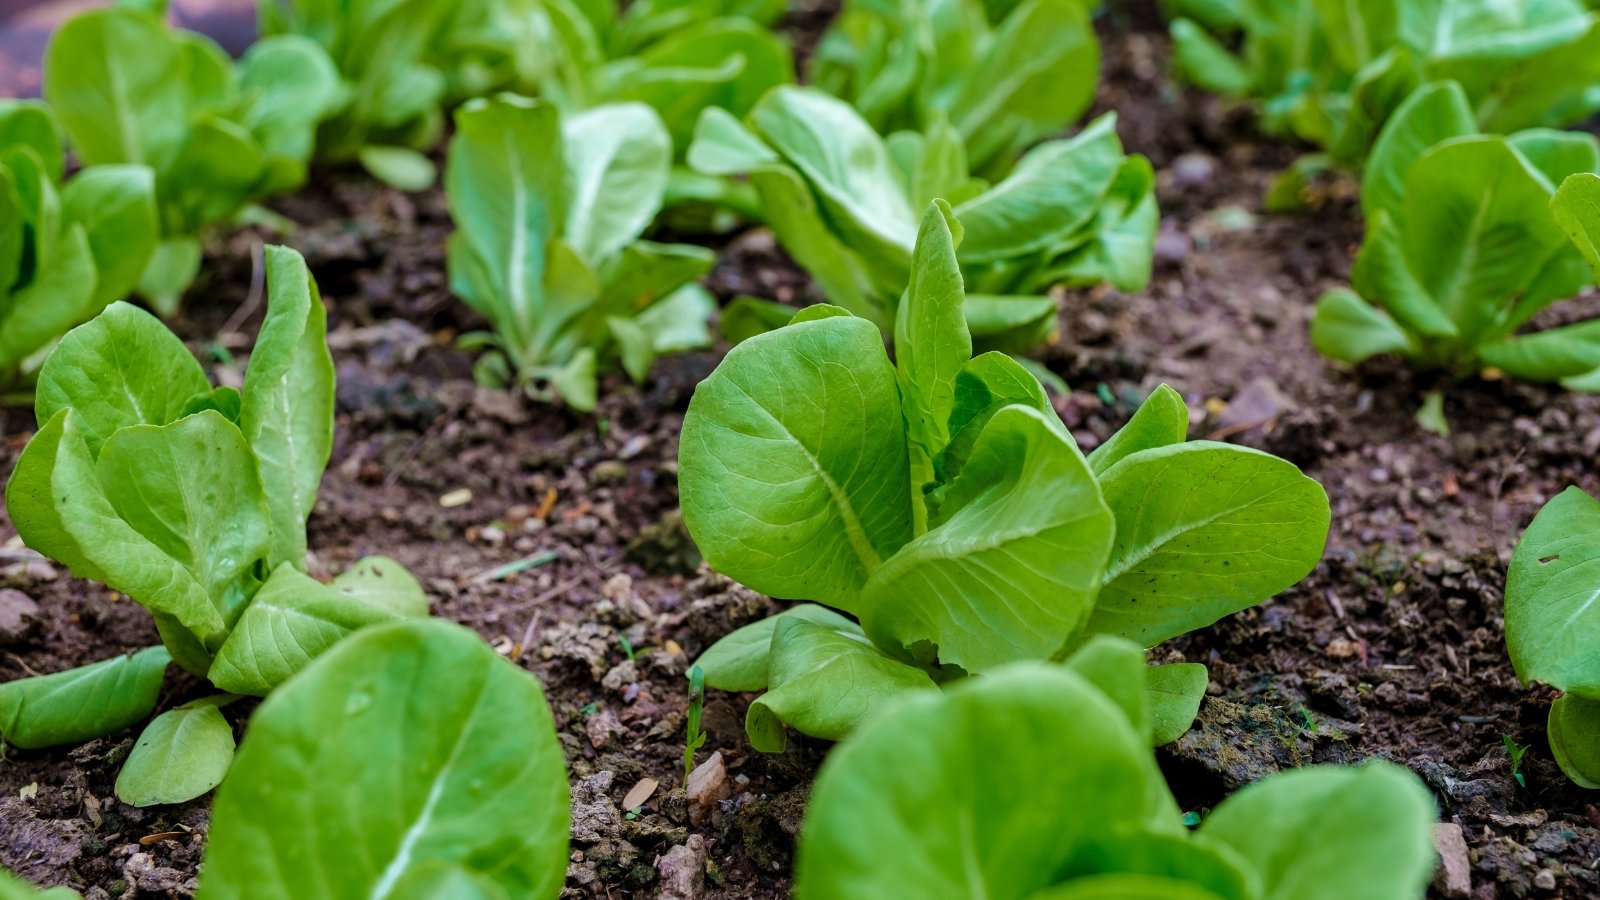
384,583
575,383
738,662
986,384
398,167
868,833
746,317
1324,817
634,346
1123,886
1176,691
1576,207
1549,355
724,146
172,268
1384,274
1348,328
1160,421
287,412
931,338
1010,567
1434,113
618,158
291,620
61,295
116,207
1574,732
824,683
679,321
32,123
407,746
101,371
1203,530
1201,59
84,703
14,888
1552,606
1117,668
182,754
793,467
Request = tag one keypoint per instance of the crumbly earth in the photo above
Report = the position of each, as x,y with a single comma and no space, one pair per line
1392,647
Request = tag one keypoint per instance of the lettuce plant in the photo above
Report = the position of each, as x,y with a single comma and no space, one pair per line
219,137
1552,625
66,251
408,761
843,202
940,502
1331,73
548,211
1466,241
1037,783
391,103
192,500
1003,85
676,57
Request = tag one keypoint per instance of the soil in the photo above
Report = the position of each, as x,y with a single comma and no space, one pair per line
1392,647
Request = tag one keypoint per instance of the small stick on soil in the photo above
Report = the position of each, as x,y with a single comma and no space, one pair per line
500,573
538,614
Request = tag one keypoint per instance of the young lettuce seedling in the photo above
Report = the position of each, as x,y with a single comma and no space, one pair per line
219,137
1036,782
66,251
548,211
1553,624
193,501
940,502
1464,245
677,58
1004,74
843,201
1332,73
432,760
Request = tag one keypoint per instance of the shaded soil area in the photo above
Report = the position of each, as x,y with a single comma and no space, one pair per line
555,535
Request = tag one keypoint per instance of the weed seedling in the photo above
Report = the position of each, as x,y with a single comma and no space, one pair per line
694,739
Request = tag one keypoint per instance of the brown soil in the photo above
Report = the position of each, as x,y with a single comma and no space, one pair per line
1393,647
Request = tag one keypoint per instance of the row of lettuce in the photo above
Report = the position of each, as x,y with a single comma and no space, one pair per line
1480,214
637,121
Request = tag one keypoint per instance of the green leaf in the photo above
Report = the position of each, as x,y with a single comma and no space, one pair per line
1202,60
382,582
1475,214
746,317
407,746
102,372
116,207
1574,732
680,321
32,123
1323,818
618,158
1549,355
1434,113
1176,691
1160,421
181,755
1384,274
724,146
398,167
1551,604
172,268
291,84
634,346
292,620
868,833
1123,886
986,384
738,662
791,497
60,296
1117,668
1203,530
84,703
824,683
287,413
1054,192
1349,329
1010,567
1576,207
931,338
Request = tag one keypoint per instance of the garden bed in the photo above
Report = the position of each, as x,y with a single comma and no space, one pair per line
554,535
